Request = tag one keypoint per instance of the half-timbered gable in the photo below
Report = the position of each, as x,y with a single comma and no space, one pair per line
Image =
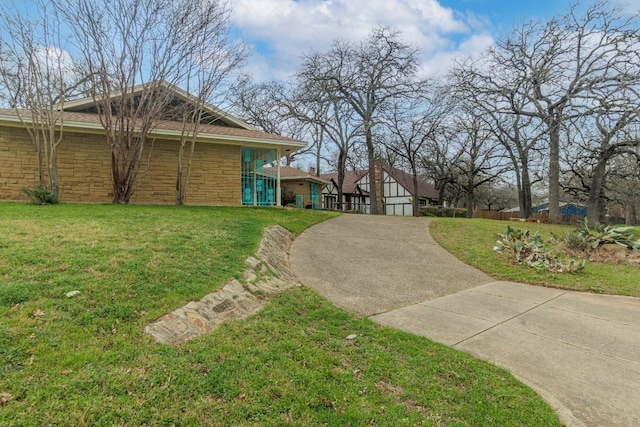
354,197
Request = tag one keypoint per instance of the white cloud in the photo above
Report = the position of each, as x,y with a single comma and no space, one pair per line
631,6
439,62
281,31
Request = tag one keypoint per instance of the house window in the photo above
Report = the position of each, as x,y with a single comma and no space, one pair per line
330,202
258,183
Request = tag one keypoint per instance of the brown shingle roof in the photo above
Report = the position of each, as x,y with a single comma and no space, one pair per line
350,179
76,121
290,173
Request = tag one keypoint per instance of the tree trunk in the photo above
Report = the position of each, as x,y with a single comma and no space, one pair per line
318,152
179,200
594,205
416,199
527,205
554,171
634,213
342,165
38,146
470,200
380,187
441,193
52,170
373,190
602,206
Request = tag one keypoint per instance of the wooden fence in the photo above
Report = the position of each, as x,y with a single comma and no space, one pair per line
500,216
515,216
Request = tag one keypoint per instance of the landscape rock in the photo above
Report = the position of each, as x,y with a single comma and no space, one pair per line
234,300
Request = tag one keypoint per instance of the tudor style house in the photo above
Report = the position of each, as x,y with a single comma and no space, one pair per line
397,191
227,169
354,198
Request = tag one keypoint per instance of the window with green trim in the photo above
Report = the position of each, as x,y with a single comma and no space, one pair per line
259,181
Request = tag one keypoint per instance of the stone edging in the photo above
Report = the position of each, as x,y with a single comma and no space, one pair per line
268,272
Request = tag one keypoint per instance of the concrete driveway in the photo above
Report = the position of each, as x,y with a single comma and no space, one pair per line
580,351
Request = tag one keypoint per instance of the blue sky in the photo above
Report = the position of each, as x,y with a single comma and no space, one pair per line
503,12
280,31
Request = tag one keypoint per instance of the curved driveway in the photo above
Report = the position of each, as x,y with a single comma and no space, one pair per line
372,264
580,351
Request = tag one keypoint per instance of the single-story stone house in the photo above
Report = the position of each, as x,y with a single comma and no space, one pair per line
304,187
227,169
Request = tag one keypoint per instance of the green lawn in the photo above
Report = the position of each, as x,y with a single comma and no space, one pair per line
85,360
472,241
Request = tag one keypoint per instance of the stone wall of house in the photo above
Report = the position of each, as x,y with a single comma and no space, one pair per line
18,163
84,169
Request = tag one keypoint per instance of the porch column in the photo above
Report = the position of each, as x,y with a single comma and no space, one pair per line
278,189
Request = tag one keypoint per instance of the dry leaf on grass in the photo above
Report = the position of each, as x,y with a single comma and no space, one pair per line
5,398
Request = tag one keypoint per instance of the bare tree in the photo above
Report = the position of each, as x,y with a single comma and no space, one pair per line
496,196
36,76
213,59
438,161
559,67
520,136
598,139
480,159
268,107
367,76
131,50
625,180
413,123
333,116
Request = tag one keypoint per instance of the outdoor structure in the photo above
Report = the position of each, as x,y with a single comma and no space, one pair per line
397,186
353,197
566,209
228,164
302,188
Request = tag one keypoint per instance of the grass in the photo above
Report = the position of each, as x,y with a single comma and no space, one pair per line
472,241
85,360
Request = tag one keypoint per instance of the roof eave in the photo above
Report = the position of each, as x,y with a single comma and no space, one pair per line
305,177
287,146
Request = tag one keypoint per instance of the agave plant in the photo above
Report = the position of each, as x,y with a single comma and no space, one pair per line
529,249
599,235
